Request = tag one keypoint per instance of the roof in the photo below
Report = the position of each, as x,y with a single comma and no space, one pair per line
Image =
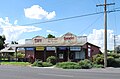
64,44
92,44
10,48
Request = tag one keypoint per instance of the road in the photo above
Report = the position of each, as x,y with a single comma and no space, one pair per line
17,72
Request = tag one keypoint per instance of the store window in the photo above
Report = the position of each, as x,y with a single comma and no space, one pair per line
60,56
77,55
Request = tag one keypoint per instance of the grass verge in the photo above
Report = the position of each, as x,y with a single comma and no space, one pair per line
16,63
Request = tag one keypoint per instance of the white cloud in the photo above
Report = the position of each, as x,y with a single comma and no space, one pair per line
13,32
97,38
15,22
5,22
37,12
50,31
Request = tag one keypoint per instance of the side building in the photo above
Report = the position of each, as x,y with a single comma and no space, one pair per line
68,47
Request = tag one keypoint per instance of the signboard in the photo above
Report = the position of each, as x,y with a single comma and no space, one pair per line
50,48
62,48
75,48
30,48
66,38
39,48
38,40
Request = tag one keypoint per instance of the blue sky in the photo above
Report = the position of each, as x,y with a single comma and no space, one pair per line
15,14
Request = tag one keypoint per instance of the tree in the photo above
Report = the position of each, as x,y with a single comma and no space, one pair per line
2,41
50,36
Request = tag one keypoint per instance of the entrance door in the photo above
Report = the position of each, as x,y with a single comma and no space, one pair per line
62,56
39,55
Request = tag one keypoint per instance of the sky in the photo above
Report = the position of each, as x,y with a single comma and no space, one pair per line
17,16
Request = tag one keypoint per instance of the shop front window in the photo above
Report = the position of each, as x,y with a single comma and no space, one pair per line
77,55
60,56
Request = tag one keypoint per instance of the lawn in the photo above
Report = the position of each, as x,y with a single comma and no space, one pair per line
16,63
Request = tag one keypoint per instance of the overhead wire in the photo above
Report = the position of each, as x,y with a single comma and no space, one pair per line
62,19
91,25
68,18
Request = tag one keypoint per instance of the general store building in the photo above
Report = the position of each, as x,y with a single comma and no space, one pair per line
68,47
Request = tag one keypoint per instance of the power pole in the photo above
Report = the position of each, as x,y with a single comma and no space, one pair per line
105,30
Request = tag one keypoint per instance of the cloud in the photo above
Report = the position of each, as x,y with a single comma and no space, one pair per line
12,32
50,31
4,22
97,38
15,22
37,12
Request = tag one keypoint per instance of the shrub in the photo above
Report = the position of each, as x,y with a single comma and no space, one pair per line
20,55
114,55
112,62
98,59
47,64
42,64
85,64
51,59
37,63
68,65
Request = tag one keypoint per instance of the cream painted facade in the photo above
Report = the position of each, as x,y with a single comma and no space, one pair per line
67,38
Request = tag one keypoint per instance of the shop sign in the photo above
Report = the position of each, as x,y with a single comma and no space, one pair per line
75,48
50,48
30,48
38,40
62,48
39,48
68,38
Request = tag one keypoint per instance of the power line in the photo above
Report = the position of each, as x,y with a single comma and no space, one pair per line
90,25
61,19
117,8
68,18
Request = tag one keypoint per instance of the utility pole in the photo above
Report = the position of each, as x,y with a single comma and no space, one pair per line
105,30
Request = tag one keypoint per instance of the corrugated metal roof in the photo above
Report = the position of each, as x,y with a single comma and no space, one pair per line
64,44
10,48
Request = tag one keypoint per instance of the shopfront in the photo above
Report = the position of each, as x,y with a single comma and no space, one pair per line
76,53
40,53
50,51
62,53
29,52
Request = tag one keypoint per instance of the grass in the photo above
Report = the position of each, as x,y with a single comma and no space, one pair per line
16,63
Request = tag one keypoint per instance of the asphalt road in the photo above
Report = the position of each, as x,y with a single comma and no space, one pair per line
17,72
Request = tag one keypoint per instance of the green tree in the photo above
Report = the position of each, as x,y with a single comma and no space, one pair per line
2,41
50,36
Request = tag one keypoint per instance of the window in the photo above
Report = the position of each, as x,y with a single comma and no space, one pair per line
89,46
77,55
60,56
89,52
